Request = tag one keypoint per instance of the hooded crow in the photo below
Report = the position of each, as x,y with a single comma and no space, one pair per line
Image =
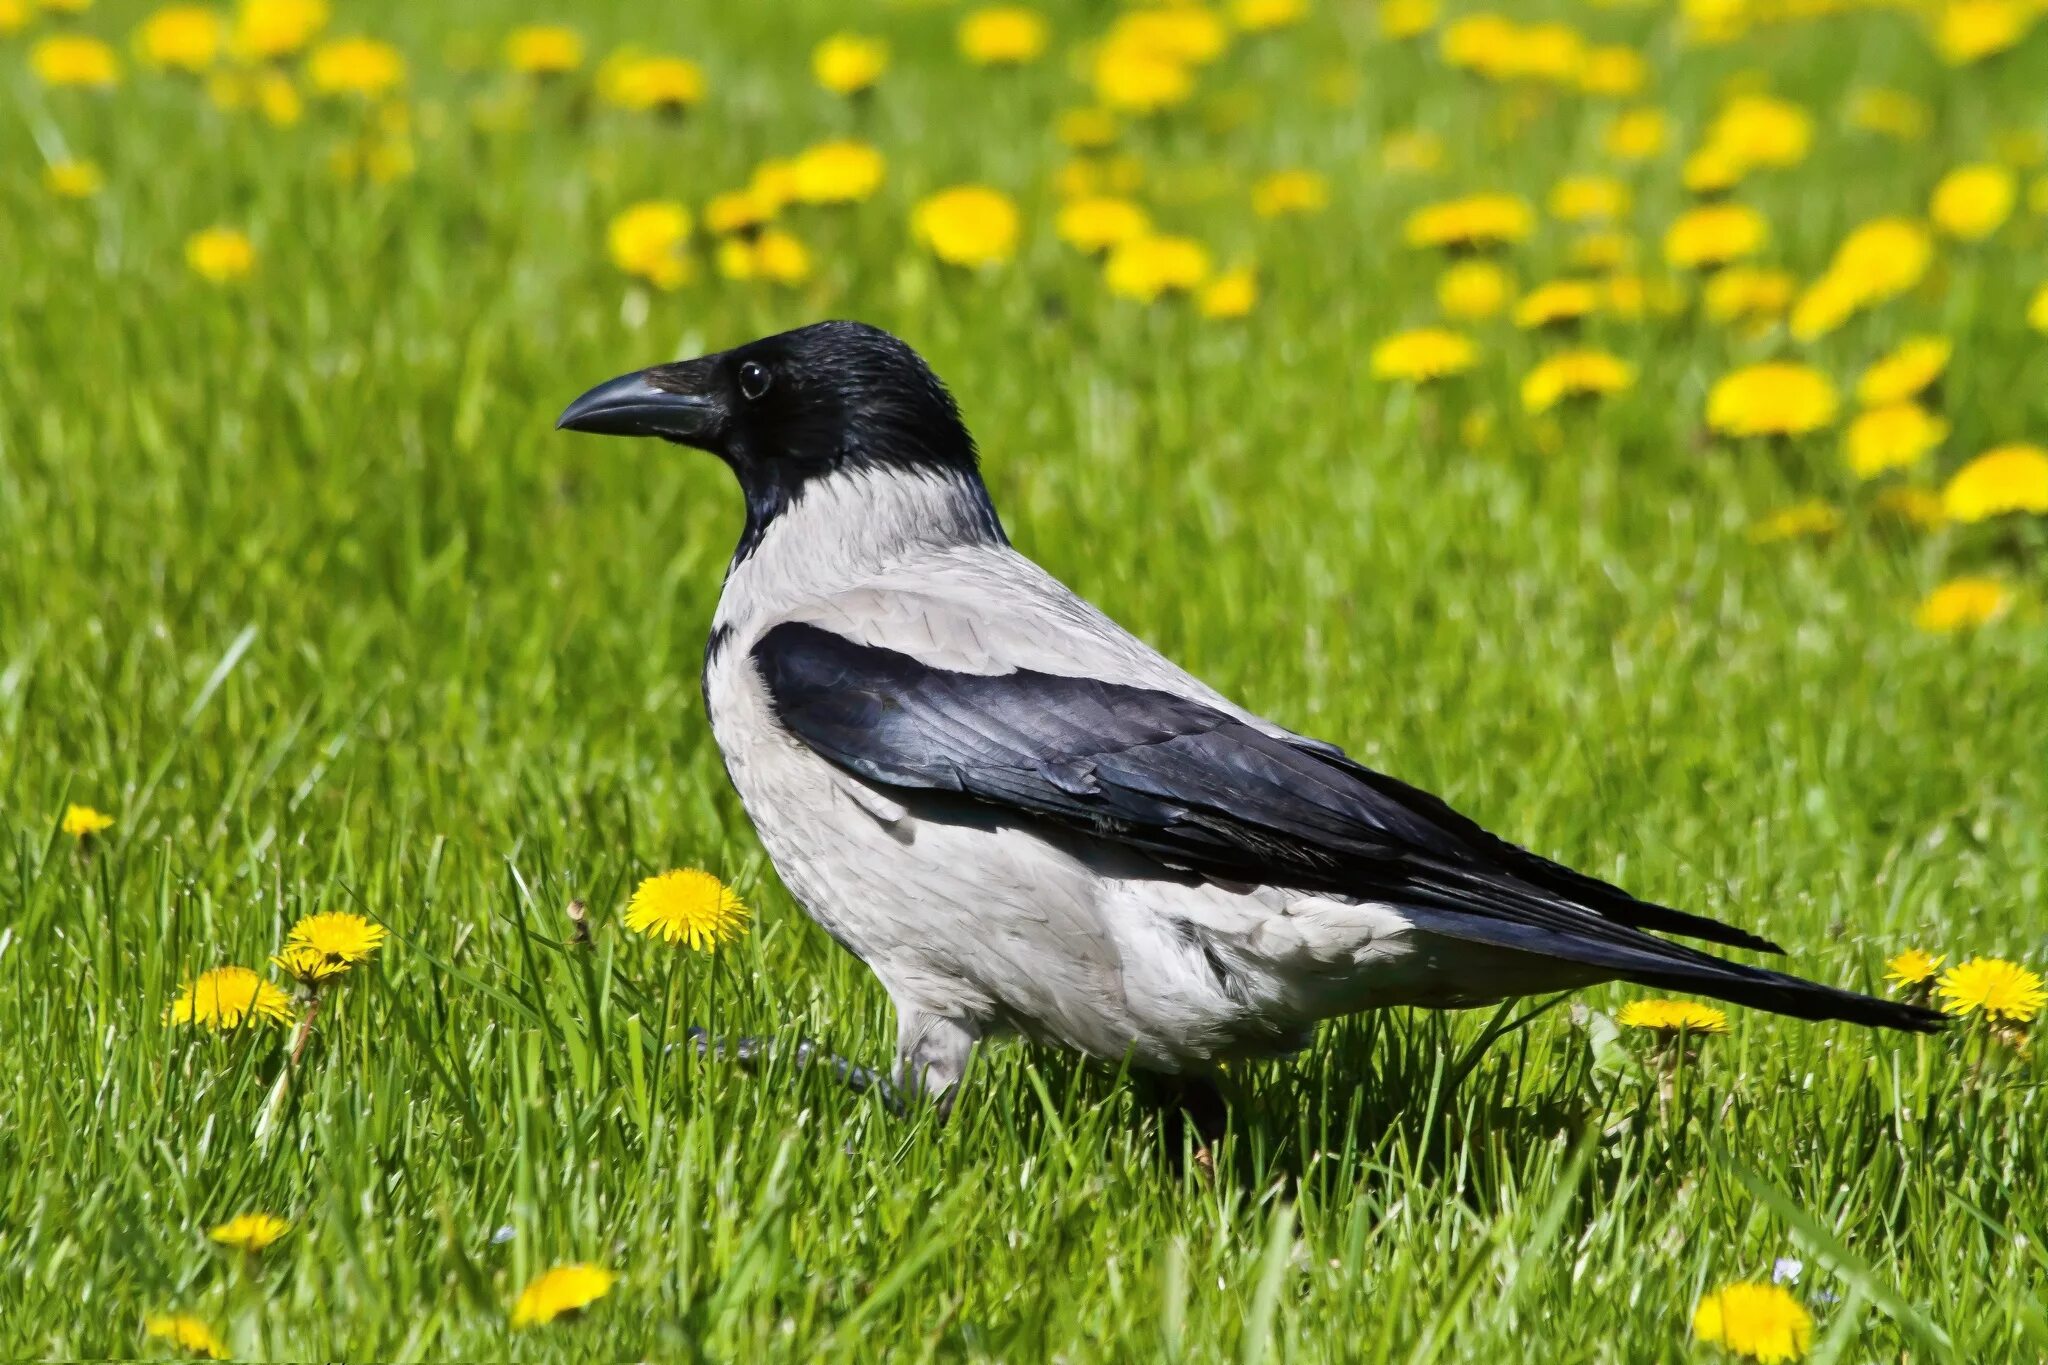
1024,819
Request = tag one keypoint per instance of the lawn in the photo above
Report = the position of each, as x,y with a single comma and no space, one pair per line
300,586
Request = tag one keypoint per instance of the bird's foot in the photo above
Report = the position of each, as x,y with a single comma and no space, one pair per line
749,1053
1193,1115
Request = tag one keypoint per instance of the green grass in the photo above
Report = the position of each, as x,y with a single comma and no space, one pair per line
296,580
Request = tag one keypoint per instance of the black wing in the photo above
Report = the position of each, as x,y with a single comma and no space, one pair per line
1198,789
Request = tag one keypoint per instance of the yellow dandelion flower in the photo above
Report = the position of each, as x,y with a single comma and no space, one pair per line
1904,372
1087,130
1892,113
82,822
1811,519
1761,1321
1131,80
686,906
1825,305
967,225
73,179
306,964
1004,35
221,999
650,82
1972,202
543,49
848,63
838,172
1232,294
1992,987
1263,16
1290,192
220,255
1762,130
74,59
1588,198
1637,134
1401,20
1746,293
338,936
1423,354
1475,220
250,1231
266,30
189,1334
774,180
1556,301
14,16
1776,398
647,240
1912,968
1473,290
363,67
564,1289
1183,33
774,256
1672,1016
1714,235
1613,70
1146,266
1485,43
2006,479
1574,374
182,38
1963,604
1099,222
1603,249
739,211
1967,31
1883,258
1895,436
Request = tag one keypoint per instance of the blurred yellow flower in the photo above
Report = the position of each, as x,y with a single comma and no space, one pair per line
1715,234
1232,294
1087,130
839,172
1637,134
1747,293
1972,202
1182,32
686,906
221,999
1912,968
2010,478
647,241
774,255
739,211
1290,192
1263,16
181,38
1915,506
190,1335
1963,603
1893,113
1810,519
1099,222
1556,301
1132,80
1147,266
848,63
1884,257
1993,987
1904,372
268,90
82,822
1672,1016
1614,71
650,82
1825,305
266,30
564,1289
74,59
543,49
2037,310
220,255
1411,151
73,179
1574,374
1588,198
968,225
1602,249
1776,398
1761,1321
1967,31
1890,437
14,16
1475,220
1762,130
1424,354
1712,170
367,67
1473,290
1487,43
1404,19
1004,35
250,1231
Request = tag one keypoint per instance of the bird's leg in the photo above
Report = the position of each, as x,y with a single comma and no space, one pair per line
748,1052
931,1055
1189,1107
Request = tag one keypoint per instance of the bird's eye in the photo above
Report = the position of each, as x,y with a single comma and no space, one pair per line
753,380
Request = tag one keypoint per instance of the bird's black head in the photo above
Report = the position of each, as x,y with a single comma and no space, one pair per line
787,408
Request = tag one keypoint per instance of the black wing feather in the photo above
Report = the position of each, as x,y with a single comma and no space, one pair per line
1202,791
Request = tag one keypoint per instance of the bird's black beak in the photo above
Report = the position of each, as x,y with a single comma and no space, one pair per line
675,402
